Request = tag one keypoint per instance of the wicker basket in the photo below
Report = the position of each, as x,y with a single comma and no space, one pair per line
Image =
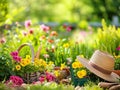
31,77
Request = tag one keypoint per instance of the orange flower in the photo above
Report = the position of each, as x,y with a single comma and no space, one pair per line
42,37
53,33
50,40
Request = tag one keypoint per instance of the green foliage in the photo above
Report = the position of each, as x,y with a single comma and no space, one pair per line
83,25
46,86
5,64
51,86
92,86
107,38
72,11
3,87
3,10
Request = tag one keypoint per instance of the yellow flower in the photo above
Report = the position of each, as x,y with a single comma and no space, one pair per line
50,63
116,57
81,73
81,55
74,65
23,63
27,61
62,66
66,45
18,67
28,57
56,72
79,65
40,62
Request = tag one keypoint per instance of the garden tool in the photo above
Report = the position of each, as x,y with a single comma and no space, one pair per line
106,85
111,85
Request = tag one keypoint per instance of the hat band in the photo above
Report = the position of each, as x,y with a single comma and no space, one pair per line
99,68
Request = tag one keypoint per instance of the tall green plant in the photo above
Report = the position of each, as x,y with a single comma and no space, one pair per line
108,38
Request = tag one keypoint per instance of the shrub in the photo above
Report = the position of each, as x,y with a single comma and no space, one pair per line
5,64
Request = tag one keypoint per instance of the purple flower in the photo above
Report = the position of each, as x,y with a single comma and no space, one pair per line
28,23
118,48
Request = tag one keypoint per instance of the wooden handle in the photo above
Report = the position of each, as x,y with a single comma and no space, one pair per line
31,47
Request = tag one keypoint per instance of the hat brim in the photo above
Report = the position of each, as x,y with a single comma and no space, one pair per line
113,77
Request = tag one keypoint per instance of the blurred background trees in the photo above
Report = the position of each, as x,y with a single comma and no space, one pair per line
3,10
58,10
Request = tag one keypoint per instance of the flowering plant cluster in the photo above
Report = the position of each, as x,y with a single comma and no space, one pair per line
25,65
79,70
47,77
15,81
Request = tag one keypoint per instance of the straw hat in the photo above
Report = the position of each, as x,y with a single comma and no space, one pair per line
101,64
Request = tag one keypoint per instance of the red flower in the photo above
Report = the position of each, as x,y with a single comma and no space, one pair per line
31,31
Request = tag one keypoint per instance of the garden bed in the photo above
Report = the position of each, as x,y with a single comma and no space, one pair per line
39,57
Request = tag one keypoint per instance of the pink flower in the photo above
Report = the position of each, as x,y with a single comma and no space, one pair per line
83,33
15,53
69,28
24,33
16,80
28,23
42,79
15,56
44,28
2,40
50,77
118,48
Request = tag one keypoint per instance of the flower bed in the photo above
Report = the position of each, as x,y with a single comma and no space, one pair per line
50,58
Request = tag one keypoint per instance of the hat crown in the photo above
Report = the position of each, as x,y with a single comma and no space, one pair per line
103,60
